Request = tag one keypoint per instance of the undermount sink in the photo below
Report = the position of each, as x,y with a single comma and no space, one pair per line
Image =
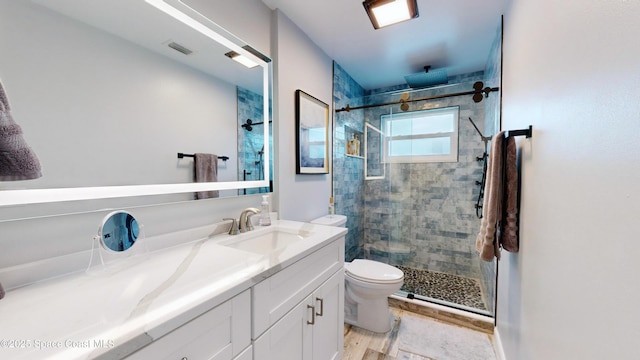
264,242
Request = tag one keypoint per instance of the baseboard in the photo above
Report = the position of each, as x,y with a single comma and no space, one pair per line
497,345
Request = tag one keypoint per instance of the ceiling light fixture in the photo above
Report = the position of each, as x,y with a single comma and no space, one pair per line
388,12
241,59
169,9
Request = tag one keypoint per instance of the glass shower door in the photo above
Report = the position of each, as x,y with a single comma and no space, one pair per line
421,217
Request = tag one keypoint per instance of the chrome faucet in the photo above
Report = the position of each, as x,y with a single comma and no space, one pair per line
245,219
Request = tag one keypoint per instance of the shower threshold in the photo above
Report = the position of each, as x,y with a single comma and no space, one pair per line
448,314
448,304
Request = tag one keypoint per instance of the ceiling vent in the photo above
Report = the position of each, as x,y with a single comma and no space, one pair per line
177,47
427,78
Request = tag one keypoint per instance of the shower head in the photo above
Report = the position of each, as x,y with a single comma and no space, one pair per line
427,78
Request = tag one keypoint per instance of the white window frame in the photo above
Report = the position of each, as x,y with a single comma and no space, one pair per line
370,128
453,136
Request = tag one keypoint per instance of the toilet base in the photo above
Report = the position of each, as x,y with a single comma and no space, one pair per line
369,316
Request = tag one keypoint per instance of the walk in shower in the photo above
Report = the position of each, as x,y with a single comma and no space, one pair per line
407,172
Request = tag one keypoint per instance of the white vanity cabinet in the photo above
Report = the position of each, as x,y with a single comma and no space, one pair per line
298,312
223,333
328,329
274,293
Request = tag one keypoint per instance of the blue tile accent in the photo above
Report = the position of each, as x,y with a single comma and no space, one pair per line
348,172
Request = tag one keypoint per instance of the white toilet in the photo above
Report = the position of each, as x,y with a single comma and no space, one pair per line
368,284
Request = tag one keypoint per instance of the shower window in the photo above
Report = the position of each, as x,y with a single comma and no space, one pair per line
422,136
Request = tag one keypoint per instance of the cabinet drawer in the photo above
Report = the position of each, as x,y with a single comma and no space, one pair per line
276,295
219,334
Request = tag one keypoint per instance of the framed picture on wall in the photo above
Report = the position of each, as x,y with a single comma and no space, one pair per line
312,135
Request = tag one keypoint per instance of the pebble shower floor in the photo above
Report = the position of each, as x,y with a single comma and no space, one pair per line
447,287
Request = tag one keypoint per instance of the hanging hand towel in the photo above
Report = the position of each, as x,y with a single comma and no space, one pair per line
206,170
17,160
486,242
509,232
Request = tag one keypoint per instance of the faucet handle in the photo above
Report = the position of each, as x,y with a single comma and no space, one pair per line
233,229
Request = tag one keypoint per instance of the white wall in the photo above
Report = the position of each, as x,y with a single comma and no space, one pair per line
300,64
571,69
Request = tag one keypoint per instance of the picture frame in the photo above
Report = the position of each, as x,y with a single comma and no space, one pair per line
312,135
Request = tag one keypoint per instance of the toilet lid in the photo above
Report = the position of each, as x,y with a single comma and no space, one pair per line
331,220
374,271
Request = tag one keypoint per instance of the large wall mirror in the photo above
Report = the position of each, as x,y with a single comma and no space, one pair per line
109,92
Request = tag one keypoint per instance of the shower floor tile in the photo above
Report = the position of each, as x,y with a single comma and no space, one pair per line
446,287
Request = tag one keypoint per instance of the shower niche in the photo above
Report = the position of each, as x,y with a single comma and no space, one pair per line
354,146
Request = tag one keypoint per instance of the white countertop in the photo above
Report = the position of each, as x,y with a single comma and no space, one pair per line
111,312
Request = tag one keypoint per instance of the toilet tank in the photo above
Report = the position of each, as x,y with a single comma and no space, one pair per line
331,220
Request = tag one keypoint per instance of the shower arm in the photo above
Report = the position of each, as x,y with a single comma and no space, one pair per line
485,139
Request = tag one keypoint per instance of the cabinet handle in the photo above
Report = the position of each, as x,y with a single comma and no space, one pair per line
313,314
184,358
321,306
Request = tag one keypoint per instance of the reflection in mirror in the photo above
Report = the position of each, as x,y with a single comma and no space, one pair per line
251,141
119,231
114,102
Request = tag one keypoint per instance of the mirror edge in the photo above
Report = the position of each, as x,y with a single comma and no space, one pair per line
40,196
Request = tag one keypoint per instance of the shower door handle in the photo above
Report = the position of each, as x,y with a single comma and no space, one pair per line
321,306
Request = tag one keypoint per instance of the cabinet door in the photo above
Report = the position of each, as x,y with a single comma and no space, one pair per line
219,334
328,330
290,337
276,295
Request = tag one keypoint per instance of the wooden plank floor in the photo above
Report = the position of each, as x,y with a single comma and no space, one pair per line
361,344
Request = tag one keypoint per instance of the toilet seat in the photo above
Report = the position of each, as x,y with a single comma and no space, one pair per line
373,272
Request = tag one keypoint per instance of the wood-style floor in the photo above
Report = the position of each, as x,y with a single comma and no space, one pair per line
445,341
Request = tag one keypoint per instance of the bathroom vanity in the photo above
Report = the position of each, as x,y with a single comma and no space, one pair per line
273,293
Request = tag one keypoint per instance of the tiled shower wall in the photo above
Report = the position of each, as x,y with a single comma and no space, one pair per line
422,215
347,171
